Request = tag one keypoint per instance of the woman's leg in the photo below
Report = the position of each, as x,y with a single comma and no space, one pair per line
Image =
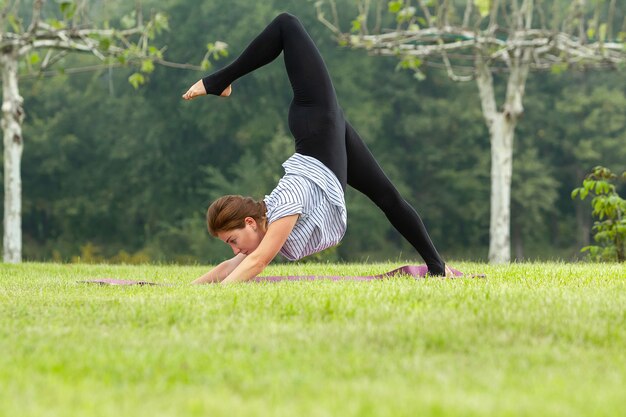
305,67
365,175
315,119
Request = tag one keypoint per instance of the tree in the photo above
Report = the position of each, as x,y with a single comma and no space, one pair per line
56,31
488,41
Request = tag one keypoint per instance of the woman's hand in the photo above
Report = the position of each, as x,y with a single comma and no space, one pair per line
274,239
221,271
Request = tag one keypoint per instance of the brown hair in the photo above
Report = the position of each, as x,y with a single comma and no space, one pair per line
230,211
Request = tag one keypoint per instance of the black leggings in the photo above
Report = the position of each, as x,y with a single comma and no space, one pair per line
319,128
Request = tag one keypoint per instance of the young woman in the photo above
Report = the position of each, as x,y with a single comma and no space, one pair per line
306,212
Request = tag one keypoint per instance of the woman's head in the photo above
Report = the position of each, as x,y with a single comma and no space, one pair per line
238,221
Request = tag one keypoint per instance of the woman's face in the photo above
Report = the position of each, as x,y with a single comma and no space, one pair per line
244,240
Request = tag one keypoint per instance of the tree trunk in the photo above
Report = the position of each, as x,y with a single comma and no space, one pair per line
12,117
502,130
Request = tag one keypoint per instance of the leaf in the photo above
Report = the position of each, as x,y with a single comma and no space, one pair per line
591,32
395,6
16,23
405,14
147,66
559,68
34,58
68,9
104,44
56,24
161,22
419,75
575,192
484,7
136,80
154,52
129,20
583,194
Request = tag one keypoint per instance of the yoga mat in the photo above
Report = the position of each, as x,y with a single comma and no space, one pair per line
113,281
416,271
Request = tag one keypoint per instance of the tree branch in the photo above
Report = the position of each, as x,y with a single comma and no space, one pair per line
468,13
37,5
320,16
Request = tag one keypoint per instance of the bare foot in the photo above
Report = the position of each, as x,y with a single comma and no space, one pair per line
227,92
449,272
198,90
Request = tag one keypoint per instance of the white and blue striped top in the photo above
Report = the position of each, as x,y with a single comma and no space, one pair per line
313,191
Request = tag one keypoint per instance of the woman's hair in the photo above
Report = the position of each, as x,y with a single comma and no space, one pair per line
230,211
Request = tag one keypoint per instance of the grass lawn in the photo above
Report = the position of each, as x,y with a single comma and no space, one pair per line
541,339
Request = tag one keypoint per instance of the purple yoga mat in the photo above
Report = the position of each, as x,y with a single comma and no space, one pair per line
417,271
113,281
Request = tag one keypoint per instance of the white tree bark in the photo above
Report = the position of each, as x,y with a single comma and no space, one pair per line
501,127
12,116
501,132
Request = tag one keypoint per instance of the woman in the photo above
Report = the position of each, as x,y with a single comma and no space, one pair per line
306,212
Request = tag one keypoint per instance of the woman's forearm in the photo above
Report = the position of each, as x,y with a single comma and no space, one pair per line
216,274
248,269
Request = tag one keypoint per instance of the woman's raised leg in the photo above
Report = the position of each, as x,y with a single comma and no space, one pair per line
305,67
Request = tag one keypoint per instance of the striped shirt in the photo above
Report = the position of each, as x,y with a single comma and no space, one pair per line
311,190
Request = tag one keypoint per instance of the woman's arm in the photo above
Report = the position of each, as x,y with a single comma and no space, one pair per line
274,239
221,271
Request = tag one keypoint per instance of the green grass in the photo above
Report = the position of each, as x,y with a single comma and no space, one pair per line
545,339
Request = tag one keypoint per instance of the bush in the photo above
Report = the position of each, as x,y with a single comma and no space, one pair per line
609,208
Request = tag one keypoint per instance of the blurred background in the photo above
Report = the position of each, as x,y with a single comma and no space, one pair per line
115,174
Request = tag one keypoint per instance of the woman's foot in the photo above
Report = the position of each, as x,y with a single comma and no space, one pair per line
198,90
227,92
449,272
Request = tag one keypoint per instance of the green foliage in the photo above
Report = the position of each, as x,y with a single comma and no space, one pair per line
136,79
405,14
610,209
68,8
412,63
484,7
15,22
133,171
215,51
395,6
559,68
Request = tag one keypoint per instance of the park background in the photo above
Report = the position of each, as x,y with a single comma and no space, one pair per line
115,174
